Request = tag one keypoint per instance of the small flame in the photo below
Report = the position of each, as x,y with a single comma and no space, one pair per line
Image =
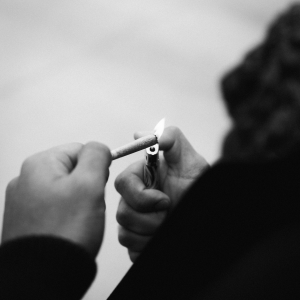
159,128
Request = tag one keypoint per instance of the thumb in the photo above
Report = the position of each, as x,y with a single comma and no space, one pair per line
93,162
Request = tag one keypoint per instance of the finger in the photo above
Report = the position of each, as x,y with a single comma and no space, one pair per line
11,187
133,255
56,161
132,188
12,184
67,155
140,223
131,240
94,160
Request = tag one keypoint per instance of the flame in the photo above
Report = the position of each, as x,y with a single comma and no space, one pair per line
159,128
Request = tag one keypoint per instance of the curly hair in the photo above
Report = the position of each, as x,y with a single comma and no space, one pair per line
262,94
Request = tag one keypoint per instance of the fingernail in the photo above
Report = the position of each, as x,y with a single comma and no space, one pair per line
162,205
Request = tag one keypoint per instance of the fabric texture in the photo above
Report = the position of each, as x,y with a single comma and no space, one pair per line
44,268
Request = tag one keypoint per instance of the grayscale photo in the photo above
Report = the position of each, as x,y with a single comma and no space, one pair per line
150,150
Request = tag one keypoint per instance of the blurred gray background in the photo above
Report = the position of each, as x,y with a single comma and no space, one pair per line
82,70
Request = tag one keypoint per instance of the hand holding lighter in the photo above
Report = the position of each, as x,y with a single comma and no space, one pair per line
151,175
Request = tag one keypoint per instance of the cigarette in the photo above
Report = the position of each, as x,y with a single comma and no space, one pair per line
137,145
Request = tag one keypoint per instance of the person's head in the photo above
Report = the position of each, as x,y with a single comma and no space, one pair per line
262,94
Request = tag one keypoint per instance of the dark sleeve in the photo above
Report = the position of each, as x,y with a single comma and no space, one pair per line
270,270
230,211
44,268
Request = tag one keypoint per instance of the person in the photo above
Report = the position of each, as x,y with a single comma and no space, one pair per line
230,231
235,232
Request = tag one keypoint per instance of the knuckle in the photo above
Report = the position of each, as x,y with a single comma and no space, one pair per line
28,162
133,255
174,129
130,240
98,147
95,145
123,216
11,186
32,162
123,238
119,181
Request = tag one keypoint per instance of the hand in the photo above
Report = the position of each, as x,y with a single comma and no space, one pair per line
60,192
141,211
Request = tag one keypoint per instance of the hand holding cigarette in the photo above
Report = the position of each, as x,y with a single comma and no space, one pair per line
53,196
141,210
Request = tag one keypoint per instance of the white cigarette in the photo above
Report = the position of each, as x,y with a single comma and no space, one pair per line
137,145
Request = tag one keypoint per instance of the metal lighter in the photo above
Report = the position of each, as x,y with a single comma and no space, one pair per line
151,178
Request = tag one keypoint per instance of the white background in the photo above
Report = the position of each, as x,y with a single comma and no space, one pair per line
85,70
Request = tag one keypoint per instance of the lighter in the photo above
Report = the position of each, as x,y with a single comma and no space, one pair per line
151,178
